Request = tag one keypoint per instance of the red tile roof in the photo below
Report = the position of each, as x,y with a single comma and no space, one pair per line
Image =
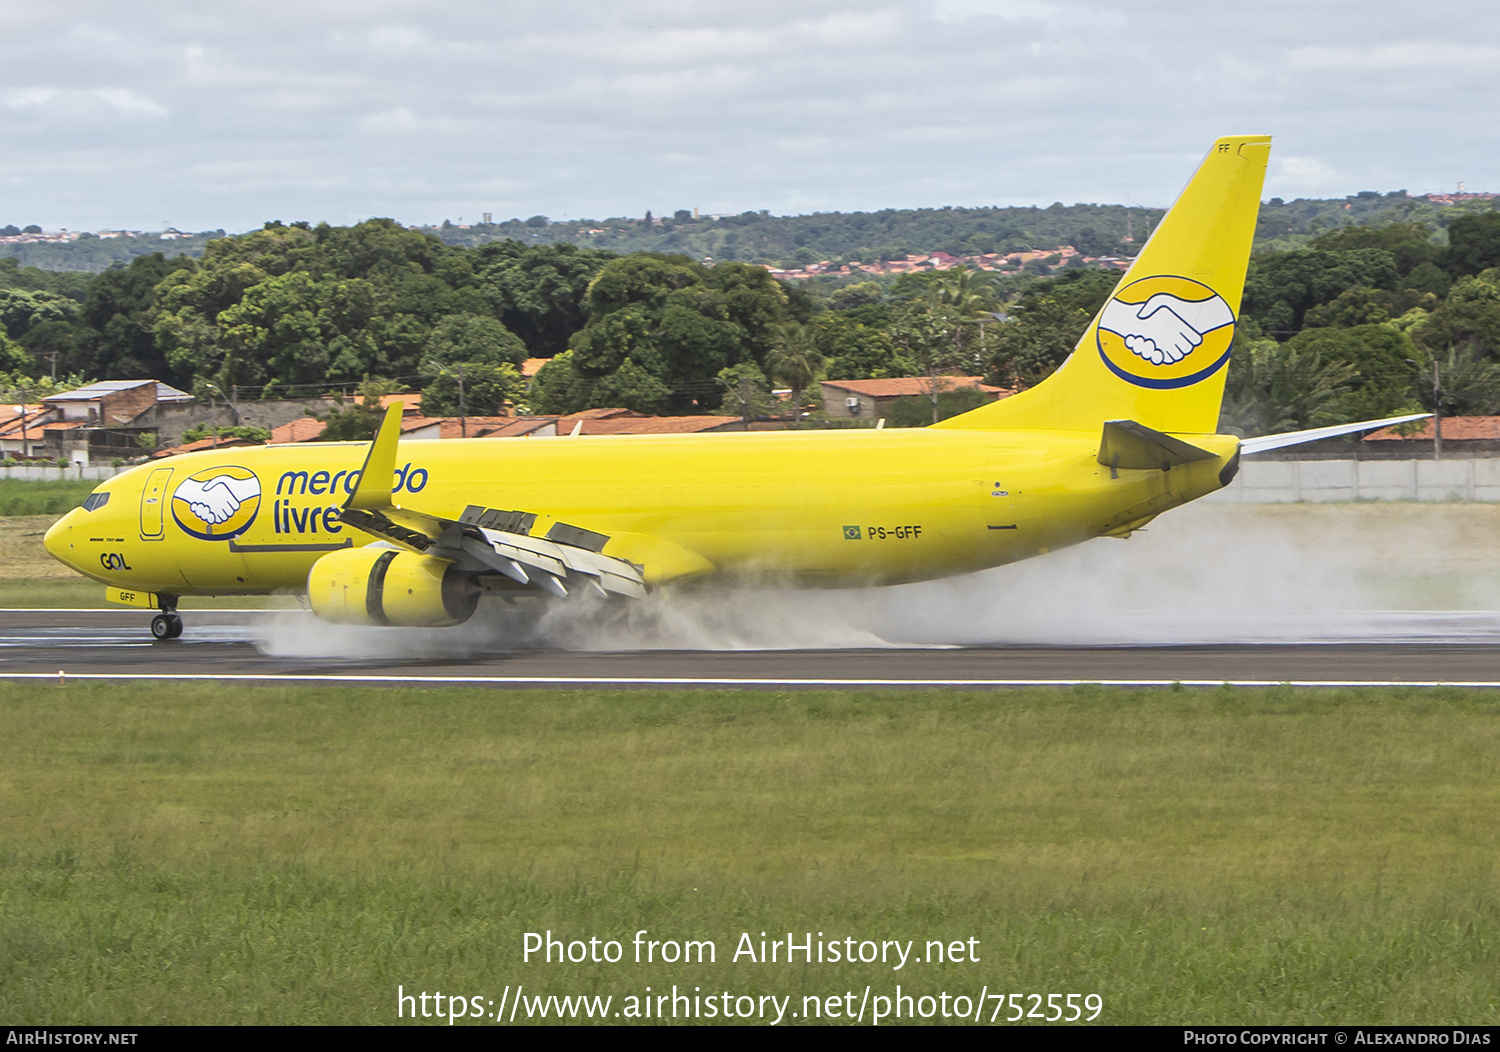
476,426
640,424
32,422
411,401
911,385
598,414
223,442
303,429
506,427
1455,429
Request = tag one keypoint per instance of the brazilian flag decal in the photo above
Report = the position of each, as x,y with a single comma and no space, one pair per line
851,533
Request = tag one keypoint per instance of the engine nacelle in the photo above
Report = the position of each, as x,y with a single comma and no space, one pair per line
382,586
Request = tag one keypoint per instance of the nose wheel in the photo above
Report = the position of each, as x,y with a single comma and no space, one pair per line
167,625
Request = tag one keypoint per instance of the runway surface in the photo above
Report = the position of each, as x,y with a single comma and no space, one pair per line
1386,648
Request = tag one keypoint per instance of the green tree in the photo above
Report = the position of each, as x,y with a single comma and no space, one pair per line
926,333
1383,363
1281,288
660,330
748,392
1274,388
474,338
13,359
539,292
19,387
487,388
859,294
118,340
1473,243
558,388
1357,306
794,359
1037,338
916,410
1470,317
856,351
357,421
1410,244
254,434
20,311
1469,383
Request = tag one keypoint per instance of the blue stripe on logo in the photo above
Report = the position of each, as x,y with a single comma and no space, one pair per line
1166,385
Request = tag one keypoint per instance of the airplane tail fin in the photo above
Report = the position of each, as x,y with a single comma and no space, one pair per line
1158,351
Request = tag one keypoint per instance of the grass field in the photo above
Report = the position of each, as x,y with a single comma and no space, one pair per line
217,854
29,577
19,497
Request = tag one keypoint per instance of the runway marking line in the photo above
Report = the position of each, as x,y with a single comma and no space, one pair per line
653,681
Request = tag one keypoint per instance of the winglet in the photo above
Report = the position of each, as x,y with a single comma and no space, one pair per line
375,478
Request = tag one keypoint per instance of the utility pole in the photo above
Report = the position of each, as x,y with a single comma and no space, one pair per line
25,451
1437,413
457,372
463,420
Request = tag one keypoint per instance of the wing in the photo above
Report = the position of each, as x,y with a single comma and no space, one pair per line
486,540
1249,446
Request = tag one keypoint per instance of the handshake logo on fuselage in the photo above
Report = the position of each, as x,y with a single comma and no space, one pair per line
218,503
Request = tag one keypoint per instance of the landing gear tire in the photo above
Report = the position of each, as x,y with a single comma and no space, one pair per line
166,626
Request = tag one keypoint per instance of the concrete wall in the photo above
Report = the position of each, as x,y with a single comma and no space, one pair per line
96,473
171,419
836,404
1259,481
1285,481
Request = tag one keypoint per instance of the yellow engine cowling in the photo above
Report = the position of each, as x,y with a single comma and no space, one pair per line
382,586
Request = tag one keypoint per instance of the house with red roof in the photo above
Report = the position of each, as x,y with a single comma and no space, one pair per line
867,399
1462,435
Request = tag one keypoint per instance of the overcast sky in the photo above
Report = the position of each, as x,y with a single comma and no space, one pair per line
227,113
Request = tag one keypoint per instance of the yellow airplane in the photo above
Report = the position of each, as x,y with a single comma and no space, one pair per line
412,534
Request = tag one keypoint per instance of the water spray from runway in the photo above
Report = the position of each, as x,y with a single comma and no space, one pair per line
1201,575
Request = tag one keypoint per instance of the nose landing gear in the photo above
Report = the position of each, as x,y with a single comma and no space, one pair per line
167,624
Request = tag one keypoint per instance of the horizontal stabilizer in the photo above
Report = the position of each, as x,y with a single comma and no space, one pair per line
1296,438
1127,444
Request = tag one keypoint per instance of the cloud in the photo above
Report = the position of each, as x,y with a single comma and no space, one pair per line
1405,56
122,101
428,110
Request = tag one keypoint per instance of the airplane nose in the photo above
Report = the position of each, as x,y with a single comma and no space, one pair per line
57,539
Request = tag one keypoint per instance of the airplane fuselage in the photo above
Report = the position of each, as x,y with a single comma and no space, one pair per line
829,507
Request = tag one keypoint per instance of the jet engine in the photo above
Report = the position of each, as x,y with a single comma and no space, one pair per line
383,586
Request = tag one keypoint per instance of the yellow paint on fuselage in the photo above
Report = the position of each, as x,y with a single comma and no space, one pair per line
1004,482
828,507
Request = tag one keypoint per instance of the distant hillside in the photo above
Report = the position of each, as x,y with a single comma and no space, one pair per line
867,237
91,253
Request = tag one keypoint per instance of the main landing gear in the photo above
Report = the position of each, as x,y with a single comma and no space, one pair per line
167,624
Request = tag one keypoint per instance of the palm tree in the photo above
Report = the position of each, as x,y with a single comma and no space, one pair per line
794,359
968,292
1274,387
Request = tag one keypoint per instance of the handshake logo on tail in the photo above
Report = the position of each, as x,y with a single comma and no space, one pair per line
1165,332
1165,329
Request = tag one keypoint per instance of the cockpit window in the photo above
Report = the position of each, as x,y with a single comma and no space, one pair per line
95,500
